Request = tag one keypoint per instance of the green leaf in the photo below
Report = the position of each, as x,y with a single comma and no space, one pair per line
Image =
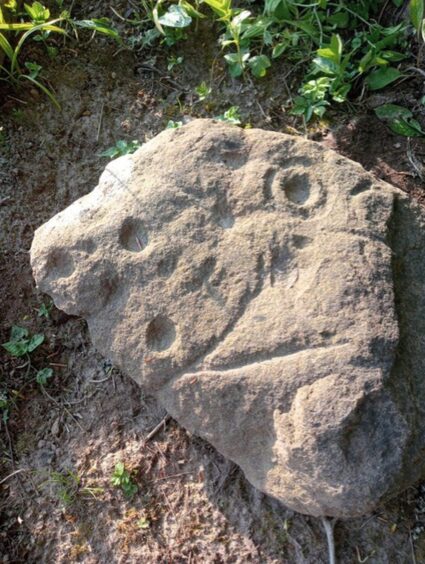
6,47
43,375
35,341
392,111
416,13
100,25
19,348
176,17
382,77
278,50
18,333
400,120
407,129
333,51
259,65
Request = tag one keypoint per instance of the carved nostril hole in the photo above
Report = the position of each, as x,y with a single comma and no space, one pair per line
133,236
167,266
60,263
160,333
297,188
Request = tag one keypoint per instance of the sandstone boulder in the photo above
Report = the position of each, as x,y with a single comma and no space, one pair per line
270,293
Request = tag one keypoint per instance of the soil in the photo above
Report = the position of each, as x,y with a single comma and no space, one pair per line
61,442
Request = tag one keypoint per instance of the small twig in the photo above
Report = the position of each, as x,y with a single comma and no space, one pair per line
158,428
62,407
415,69
167,477
329,530
412,546
100,122
359,557
416,164
13,474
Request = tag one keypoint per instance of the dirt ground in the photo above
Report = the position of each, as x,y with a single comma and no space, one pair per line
60,444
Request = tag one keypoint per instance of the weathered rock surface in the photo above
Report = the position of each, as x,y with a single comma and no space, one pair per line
271,294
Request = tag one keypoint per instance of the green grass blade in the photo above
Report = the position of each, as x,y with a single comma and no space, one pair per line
25,36
43,89
6,47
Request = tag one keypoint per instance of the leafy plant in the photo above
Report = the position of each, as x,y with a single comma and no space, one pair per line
400,120
21,342
68,487
121,479
36,24
173,61
231,116
121,148
44,310
43,375
203,91
173,124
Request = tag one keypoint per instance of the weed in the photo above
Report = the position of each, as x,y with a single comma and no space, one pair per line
121,478
203,91
68,487
173,124
231,116
36,24
21,342
43,375
143,523
400,120
44,310
121,148
174,61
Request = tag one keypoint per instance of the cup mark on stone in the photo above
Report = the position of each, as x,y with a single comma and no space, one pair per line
297,188
87,245
167,265
223,215
133,235
60,263
160,333
362,185
300,241
268,183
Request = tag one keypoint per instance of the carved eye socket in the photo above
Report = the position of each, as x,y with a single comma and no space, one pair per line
297,189
133,236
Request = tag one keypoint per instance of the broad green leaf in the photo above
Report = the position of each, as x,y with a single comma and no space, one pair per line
43,375
416,12
100,26
35,341
399,120
333,51
16,348
278,50
340,19
175,17
407,129
392,111
18,333
221,7
382,77
259,65
190,10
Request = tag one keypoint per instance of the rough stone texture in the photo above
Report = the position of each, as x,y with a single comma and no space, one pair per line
270,293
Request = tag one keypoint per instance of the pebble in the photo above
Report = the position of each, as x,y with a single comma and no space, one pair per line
55,428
